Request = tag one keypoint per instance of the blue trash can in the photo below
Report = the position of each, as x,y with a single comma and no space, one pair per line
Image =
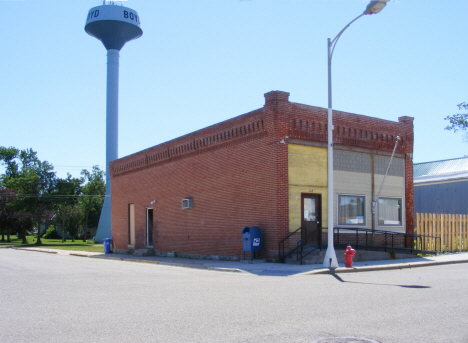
107,245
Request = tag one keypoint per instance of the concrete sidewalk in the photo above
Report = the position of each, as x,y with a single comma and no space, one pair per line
262,268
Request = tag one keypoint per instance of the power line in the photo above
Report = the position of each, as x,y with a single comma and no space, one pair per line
53,196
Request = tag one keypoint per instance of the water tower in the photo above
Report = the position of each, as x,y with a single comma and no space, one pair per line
114,25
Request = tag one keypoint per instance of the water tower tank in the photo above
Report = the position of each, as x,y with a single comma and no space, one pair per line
113,25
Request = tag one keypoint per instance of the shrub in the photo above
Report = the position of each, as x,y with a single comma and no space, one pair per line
51,233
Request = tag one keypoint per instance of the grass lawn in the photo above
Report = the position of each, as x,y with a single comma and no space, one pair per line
77,245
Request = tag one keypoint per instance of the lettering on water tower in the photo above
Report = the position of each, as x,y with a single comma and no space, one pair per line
132,16
93,14
126,14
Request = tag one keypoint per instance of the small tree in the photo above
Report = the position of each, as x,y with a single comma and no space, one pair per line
24,222
92,197
72,217
459,121
35,182
8,156
67,193
13,221
7,213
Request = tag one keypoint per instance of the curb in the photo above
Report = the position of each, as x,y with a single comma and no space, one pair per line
236,270
79,255
171,264
51,251
37,250
182,265
385,267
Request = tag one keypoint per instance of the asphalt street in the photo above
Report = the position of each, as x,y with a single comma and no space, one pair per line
63,298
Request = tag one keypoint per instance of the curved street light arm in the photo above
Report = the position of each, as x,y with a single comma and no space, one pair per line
335,40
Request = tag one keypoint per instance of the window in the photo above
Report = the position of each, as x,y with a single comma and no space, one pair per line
389,210
351,210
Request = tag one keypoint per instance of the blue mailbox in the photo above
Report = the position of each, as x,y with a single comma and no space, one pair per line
252,241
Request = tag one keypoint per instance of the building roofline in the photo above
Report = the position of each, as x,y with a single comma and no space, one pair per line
184,136
449,159
335,111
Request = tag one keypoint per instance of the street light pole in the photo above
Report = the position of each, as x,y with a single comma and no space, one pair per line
330,260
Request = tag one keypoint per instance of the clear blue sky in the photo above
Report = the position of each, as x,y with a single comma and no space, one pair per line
200,62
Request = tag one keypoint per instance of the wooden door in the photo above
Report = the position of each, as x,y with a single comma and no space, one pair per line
311,209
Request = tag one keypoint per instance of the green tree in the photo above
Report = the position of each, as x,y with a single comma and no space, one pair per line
7,213
71,217
66,198
24,223
74,220
7,196
459,121
69,189
13,221
92,197
7,158
35,183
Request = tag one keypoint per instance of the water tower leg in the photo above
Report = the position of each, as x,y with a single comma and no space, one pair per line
112,138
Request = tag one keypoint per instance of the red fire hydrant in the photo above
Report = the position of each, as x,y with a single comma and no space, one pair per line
349,254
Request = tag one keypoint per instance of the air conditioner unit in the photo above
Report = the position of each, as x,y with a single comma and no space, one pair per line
187,203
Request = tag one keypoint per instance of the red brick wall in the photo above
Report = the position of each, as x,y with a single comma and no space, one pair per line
409,189
236,179
278,107
237,174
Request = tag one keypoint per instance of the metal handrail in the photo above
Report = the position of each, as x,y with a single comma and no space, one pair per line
389,242
299,245
392,234
302,244
282,256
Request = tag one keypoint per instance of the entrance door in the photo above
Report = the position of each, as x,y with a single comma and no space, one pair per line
311,219
149,227
131,225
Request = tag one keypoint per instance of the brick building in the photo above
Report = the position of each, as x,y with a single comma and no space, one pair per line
265,168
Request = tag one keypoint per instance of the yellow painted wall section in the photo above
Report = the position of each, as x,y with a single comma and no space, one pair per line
307,173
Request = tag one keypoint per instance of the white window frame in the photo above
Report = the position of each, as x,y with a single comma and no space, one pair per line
338,209
400,212
187,203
